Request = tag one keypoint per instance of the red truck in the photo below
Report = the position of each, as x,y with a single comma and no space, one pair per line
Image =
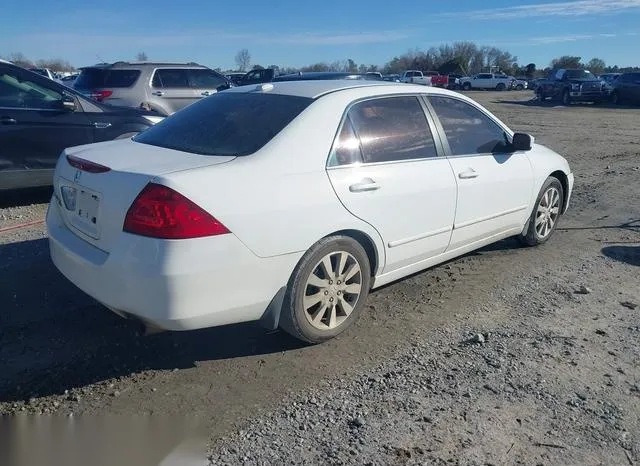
437,79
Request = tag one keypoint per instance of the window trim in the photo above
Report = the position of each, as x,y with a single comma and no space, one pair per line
437,140
443,134
42,81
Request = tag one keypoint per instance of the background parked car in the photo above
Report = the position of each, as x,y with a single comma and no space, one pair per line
499,82
69,80
393,78
521,83
264,75
415,77
161,87
573,85
626,89
609,78
39,118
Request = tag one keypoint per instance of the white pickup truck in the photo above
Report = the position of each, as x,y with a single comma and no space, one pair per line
499,82
415,77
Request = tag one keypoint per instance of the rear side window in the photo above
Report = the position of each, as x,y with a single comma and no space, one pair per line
392,129
171,78
226,124
92,78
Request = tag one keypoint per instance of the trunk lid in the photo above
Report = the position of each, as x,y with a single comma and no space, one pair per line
94,205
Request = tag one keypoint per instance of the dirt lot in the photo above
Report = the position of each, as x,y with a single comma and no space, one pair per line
506,356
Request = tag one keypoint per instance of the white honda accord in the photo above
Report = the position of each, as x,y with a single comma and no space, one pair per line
288,202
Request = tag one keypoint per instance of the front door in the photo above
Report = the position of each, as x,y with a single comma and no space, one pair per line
34,128
495,186
386,170
206,82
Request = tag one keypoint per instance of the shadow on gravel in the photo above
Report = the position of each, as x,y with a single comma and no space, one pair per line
551,104
632,225
627,254
54,337
23,197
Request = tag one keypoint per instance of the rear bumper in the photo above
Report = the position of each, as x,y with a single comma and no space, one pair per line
171,285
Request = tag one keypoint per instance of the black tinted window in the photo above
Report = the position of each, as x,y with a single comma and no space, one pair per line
206,79
92,78
468,130
17,90
171,78
346,147
392,129
226,124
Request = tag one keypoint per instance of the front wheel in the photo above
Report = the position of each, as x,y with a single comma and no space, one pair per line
520,87
501,87
615,98
327,290
566,98
466,86
546,213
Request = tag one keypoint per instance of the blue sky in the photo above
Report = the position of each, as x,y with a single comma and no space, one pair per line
299,32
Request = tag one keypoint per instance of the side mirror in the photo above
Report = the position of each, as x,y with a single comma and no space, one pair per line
521,142
68,103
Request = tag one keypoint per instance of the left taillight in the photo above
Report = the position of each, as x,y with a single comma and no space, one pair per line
85,165
101,94
161,212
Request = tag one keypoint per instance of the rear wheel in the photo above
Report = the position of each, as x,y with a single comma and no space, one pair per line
546,213
501,87
615,98
327,290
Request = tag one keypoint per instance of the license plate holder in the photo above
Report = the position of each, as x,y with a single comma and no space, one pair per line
86,216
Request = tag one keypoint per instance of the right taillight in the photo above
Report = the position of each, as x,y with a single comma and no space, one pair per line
100,95
161,212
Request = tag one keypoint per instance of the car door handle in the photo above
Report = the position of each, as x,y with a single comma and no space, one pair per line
158,93
206,93
367,184
8,121
468,174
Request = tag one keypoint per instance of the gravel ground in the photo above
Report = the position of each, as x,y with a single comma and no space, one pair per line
509,355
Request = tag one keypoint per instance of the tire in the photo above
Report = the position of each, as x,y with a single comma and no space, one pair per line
519,87
566,98
466,86
339,294
615,98
540,95
501,87
545,215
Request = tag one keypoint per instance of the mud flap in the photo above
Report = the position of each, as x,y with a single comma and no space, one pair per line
271,317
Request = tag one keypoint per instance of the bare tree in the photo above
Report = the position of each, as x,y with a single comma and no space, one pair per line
596,65
567,61
20,60
142,56
243,59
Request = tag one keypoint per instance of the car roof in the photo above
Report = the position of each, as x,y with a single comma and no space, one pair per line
314,89
140,64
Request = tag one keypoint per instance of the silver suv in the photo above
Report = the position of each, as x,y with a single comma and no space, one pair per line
161,87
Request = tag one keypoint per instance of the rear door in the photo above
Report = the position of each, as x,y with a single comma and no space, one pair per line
34,129
495,185
171,89
206,82
386,169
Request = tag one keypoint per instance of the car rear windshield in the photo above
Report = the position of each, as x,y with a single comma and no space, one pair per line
228,123
92,78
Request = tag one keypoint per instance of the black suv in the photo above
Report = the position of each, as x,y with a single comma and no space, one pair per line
39,118
626,89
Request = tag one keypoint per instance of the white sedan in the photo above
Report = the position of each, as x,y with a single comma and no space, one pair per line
288,202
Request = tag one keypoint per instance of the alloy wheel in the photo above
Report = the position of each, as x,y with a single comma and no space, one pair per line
332,290
547,212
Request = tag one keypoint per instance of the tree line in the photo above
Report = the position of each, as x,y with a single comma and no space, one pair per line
465,58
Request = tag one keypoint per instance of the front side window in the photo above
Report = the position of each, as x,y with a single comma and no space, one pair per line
206,79
468,130
171,78
19,91
392,129
227,124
